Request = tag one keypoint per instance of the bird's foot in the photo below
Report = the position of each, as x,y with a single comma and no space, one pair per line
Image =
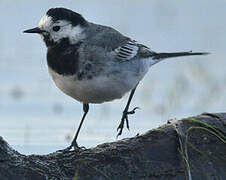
73,145
125,118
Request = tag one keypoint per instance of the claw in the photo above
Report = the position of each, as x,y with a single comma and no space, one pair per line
118,135
133,111
127,122
120,127
73,145
130,112
125,118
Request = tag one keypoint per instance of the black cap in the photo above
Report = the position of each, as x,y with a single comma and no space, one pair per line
66,14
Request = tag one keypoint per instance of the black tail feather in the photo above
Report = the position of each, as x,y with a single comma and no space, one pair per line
177,54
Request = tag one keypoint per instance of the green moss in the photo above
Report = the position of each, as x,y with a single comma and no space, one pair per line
184,139
210,128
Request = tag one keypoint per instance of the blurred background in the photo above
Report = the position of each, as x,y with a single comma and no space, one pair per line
36,117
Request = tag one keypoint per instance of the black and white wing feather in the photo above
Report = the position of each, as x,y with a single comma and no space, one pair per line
127,51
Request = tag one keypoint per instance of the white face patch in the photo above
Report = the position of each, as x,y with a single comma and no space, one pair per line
45,22
73,33
76,34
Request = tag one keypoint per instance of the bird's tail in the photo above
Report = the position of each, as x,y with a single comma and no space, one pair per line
159,56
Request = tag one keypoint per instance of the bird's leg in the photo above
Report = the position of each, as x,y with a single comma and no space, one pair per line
126,113
74,143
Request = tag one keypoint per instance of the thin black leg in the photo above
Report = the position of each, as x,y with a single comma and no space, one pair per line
74,141
126,113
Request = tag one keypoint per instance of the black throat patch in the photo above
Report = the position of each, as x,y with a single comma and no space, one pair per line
63,57
48,41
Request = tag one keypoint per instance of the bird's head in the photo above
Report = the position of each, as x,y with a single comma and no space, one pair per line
59,24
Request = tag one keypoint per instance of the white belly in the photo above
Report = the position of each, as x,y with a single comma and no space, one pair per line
100,88
97,90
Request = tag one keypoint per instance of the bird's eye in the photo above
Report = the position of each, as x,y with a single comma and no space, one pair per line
56,28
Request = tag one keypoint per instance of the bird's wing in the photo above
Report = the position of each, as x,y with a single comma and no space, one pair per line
127,51
114,43
132,49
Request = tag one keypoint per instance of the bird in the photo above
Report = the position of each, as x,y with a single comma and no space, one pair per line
94,63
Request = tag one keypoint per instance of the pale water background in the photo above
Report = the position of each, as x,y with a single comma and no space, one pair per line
36,117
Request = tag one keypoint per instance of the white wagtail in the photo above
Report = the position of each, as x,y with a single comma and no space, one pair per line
94,63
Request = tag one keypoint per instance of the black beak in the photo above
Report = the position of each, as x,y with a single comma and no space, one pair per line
35,30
